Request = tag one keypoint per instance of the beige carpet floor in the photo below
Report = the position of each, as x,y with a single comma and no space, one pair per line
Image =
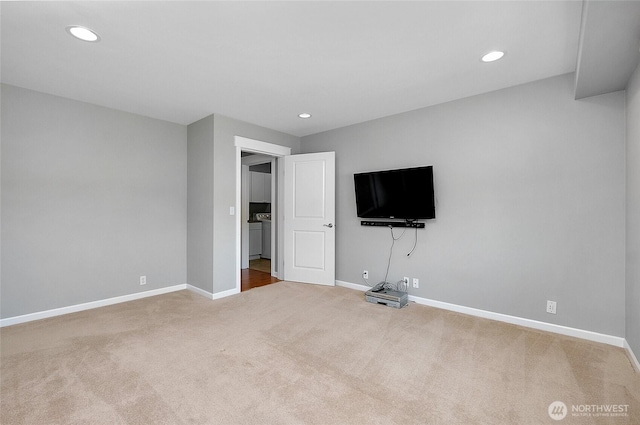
291,353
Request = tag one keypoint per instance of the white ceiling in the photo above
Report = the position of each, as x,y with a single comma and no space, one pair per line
266,62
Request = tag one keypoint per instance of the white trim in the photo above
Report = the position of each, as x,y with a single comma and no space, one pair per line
549,327
199,291
212,296
244,215
274,212
226,293
256,146
356,286
632,356
238,212
87,306
277,219
514,320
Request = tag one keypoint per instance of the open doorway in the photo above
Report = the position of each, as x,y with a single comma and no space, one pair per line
251,152
258,202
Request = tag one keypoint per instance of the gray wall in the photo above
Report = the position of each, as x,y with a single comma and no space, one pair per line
200,204
530,186
633,213
92,198
215,194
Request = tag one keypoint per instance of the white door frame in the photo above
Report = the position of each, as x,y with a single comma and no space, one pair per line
256,146
244,216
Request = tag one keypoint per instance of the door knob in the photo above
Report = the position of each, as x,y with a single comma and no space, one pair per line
330,225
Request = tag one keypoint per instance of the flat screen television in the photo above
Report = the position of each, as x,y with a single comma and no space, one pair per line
403,194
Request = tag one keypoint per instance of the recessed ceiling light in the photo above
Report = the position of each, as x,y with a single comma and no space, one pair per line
492,56
304,115
83,33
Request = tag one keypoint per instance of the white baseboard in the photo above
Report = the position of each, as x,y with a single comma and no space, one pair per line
632,356
110,301
534,324
212,296
356,286
200,291
514,320
226,293
87,306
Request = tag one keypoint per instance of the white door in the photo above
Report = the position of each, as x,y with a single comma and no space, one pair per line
309,218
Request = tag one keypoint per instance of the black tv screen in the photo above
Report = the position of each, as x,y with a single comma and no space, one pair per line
404,193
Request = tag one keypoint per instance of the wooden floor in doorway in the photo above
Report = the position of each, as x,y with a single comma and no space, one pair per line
251,278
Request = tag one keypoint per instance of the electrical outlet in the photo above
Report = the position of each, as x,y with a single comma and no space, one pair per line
143,280
406,281
416,282
365,274
551,307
